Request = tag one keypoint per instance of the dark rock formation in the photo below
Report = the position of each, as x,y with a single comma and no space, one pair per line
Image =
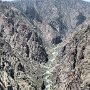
56,40
81,18
9,88
43,86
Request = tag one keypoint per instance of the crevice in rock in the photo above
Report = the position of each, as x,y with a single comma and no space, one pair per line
1,87
11,73
63,51
9,87
43,86
1,35
75,57
20,67
56,40
28,35
88,86
1,44
2,28
27,50
81,18
8,68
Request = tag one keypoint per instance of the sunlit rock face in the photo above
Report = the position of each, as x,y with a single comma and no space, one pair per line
21,51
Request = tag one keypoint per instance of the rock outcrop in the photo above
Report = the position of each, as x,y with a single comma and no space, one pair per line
55,18
72,63
21,51
38,50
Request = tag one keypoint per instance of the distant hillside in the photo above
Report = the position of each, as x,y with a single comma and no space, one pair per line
56,18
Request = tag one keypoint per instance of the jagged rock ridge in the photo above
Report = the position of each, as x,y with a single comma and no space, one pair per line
21,51
72,73
24,63
55,18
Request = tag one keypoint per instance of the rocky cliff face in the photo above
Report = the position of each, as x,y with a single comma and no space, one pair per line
72,68
55,18
21,52
38,50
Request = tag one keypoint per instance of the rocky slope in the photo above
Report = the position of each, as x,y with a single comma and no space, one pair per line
55,18
72,63
21,52
30,58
